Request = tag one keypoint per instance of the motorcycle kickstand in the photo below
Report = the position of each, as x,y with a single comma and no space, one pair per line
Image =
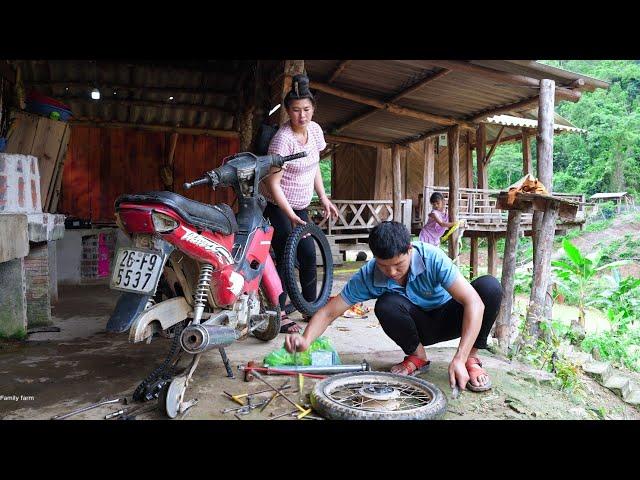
226,362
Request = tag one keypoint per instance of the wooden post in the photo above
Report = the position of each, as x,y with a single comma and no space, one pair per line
474,258
503,322
453,141
166,172
481,153
526,152
492,257
544,146
542,270
469,162
429,165
281,87
397,184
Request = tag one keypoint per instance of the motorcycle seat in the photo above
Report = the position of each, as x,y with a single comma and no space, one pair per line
217,218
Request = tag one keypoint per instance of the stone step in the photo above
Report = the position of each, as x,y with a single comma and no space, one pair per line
580,358
616,383
631,393
598,370
633,397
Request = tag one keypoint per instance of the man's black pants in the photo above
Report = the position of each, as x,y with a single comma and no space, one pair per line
408,325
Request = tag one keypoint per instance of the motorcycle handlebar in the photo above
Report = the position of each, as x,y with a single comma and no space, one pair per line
294,156
200,181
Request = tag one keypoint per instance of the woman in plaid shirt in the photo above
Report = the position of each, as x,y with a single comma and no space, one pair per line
288,191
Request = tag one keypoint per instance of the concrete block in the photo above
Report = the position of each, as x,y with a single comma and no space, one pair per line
19,184
53,272
14,238
13,314
36,268
629,388
45,227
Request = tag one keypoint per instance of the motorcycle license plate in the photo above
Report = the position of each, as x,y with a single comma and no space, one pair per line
137,270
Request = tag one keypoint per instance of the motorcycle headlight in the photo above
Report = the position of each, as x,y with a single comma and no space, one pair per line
163,223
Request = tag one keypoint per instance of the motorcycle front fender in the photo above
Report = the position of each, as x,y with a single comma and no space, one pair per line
166,314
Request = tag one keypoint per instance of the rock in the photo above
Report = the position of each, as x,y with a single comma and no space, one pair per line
616,382
598,370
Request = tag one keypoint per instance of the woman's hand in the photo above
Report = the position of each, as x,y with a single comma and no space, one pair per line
330,209
296,220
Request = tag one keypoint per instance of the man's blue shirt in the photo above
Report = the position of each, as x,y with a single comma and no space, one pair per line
430,273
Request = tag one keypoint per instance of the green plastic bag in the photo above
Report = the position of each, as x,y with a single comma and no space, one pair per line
282,357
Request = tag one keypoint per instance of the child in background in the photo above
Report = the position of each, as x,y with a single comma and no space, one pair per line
438,221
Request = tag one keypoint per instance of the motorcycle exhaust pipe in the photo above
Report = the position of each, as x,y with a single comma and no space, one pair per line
198,338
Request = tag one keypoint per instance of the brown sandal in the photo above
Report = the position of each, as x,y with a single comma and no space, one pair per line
474,368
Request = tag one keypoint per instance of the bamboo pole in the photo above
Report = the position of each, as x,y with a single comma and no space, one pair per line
453,142
526,152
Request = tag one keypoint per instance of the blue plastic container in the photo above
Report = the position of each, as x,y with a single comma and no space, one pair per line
44,109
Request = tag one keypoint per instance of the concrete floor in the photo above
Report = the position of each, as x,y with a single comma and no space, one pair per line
56,372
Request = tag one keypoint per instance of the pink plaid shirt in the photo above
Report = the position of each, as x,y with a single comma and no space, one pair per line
298,177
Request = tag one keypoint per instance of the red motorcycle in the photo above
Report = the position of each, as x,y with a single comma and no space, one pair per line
199,274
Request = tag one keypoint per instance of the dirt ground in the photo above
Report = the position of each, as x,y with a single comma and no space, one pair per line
54,373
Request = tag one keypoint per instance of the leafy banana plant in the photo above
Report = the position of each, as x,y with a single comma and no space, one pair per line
578,275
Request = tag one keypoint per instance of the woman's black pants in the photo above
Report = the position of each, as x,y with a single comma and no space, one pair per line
306,250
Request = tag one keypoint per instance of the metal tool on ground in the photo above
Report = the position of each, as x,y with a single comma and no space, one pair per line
90,407
237,398
284,386
244,410
288,414
131,414
455,392
309,371
302,409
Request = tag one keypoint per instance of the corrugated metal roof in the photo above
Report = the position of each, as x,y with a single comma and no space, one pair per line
511,121
139,92
206,94
608,195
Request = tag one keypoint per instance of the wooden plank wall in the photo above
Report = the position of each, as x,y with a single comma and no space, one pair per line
441,173
354,172
103,163
45,139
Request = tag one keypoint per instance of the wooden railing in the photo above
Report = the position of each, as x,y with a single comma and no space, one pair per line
478,208
359,215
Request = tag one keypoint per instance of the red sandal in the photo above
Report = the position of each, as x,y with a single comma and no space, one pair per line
414,365
474,368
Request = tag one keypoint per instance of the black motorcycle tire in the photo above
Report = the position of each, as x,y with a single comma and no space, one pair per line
273,326
306,308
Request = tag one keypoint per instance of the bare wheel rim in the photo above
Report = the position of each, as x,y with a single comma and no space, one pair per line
374,393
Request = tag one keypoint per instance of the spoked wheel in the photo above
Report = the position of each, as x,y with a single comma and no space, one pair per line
377,396
292,283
